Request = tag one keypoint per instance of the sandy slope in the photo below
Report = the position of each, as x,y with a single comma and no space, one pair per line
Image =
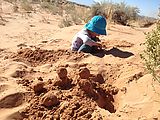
120,65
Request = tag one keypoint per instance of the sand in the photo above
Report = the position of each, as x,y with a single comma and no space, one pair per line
113,85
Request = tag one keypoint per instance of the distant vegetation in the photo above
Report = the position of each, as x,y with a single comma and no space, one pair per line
74,14
121,13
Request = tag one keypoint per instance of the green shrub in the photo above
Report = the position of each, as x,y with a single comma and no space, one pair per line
151,54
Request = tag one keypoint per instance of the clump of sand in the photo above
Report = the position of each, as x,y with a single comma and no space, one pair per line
69,103
49,99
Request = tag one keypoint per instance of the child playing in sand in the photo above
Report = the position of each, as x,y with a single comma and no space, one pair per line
87,40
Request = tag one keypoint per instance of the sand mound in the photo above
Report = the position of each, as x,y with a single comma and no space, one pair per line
84,73
62,73
62,81
38,87
77,102
49,100
39,56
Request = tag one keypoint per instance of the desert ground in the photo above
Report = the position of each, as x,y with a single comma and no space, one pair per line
35,53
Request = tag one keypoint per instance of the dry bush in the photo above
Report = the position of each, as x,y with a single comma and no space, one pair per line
74,15
15,7
72,12
26,5
65,22
119,17
104,8
118,13
85,15
45,20
49,6
144,22
54,8
11,1
124,13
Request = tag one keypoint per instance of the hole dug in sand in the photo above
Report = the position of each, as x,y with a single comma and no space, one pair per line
102,95
106,100
12,100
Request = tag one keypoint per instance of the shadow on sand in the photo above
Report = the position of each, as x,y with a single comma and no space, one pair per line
115,52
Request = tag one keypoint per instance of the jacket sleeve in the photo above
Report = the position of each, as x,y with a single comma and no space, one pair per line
87,40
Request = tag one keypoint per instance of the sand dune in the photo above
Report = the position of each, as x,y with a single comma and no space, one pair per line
115,85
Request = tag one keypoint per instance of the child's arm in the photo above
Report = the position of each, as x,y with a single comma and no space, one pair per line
96,39
88,41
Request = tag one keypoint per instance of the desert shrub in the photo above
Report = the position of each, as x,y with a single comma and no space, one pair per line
11,1
151,54
145,22
52,8
104,8
76,19
26,5
119,17
124,13
70,11
119,13
85,15
15,7
76,14
65,22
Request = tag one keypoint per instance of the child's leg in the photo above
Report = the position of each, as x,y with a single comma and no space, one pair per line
85,48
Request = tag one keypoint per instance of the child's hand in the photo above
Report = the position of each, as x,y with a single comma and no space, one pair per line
99,46
97,39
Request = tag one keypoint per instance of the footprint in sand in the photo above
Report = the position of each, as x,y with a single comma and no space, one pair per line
12,100
15,70
15,116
